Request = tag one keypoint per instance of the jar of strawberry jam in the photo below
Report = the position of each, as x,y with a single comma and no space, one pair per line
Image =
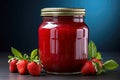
63,40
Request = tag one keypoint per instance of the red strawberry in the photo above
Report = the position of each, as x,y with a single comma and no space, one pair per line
13,66
22,67
88,68
98,61
95,64
34,68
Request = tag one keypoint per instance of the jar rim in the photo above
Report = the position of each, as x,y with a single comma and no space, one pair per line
63,12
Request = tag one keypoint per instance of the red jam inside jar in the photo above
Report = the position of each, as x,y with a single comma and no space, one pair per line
63,40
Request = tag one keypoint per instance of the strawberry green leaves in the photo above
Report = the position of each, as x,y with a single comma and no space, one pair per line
96,59
97,67
16,52
19,55
25,57
33,54
10,56
98,55
110,65
92,50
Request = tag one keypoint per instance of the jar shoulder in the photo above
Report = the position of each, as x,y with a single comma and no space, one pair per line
74,25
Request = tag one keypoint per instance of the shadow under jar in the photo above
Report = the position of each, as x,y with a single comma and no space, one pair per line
63,40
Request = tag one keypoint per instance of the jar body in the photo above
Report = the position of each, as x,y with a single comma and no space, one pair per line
63,43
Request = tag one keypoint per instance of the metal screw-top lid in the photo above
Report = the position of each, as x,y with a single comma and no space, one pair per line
62,12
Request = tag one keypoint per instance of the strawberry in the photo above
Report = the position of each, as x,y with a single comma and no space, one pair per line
22,62
22,67
12,62
88,68
95,64
13,66
34,68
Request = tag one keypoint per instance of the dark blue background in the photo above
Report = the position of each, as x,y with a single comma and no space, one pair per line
21,18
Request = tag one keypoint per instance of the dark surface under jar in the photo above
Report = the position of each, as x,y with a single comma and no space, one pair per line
63,43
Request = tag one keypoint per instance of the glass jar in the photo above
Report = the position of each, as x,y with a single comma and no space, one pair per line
63,40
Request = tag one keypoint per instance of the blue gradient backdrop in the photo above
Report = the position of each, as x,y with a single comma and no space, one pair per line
102,17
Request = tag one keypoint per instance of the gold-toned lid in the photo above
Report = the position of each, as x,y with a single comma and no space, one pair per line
62,12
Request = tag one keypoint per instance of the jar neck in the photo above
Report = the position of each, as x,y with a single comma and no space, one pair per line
64,19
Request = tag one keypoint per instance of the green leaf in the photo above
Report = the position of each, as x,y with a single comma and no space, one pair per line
97,66
10,56
33,53
36,58
25,56
16,52
98,56
92,50
110,65
37,61
103,70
